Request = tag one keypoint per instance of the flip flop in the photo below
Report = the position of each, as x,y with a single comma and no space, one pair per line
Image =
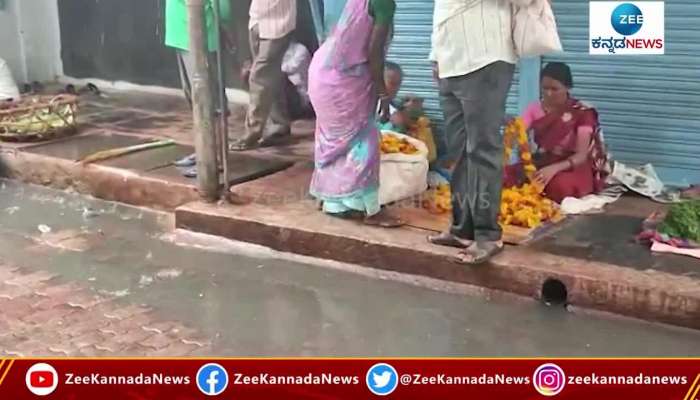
70,89
449,240
242,145
383,222
276,140
92,88
352,215
480,253
188,161
190,172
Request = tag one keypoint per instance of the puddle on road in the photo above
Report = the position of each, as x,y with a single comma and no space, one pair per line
252,301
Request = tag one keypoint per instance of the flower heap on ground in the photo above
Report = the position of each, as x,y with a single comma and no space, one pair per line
522,206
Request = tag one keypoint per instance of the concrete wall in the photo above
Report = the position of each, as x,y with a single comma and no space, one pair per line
31,43
112,41
116,41
124,41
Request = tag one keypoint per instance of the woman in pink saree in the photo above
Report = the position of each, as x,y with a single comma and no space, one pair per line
346,78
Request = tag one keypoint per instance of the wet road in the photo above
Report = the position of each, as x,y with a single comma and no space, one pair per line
250,301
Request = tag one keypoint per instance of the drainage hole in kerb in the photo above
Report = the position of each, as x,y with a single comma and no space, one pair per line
554,292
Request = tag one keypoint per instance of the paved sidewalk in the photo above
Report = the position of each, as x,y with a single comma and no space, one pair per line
42,317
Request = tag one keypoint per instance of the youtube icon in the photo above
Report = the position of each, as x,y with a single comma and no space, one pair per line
41,379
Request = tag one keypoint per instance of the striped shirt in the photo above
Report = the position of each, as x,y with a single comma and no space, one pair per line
274,18
471,34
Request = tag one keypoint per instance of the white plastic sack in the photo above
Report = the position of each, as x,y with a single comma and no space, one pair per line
402,175
535,29
8,88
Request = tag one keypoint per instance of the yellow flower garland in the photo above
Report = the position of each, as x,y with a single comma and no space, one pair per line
515,132
522,206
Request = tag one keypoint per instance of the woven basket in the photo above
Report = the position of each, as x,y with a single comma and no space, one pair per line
38,118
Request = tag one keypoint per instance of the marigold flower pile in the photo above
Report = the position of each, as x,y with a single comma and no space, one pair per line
392,144
523,206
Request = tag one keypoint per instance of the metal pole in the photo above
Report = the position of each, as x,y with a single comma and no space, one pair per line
202,104
223,103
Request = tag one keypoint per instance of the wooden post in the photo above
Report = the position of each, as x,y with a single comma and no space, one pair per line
202,104
222,108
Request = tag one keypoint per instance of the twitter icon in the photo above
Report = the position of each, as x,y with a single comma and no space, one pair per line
382,379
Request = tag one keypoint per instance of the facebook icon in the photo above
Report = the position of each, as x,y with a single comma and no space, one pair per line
212,379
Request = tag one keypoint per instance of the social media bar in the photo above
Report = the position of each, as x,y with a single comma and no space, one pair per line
350,378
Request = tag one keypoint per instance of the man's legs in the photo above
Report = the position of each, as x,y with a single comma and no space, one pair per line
265,89
474,107
279,122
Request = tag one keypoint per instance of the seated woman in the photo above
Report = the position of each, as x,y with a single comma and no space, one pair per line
570,156
393,77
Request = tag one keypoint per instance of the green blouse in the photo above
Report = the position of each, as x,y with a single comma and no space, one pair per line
176,29
382,11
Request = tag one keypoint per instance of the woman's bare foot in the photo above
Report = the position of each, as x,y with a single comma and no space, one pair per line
384,219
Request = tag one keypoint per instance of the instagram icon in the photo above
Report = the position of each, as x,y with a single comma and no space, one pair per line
549,379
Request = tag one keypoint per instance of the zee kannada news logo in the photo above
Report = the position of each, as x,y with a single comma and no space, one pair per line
627,27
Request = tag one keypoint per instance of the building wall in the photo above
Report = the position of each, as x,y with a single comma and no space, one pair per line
116,41
123,41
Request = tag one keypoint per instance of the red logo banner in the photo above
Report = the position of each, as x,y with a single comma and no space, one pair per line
522,379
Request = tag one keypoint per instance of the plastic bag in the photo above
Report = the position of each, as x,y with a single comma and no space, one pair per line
403,175
535,29
8,87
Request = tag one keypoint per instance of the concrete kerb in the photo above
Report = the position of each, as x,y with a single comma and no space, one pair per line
96,180
647,295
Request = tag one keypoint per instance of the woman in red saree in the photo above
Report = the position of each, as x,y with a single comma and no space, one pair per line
570,156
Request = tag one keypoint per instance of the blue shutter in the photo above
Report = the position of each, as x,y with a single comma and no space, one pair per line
410,48
649,105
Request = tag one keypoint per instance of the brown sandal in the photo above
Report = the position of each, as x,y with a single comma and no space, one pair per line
384,220
449,240
479,253
243,145
276,140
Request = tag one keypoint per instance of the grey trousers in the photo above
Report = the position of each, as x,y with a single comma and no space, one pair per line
267,112
474,108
